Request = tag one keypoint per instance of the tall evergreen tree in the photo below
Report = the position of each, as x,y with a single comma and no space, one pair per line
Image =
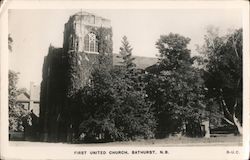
128,70
137,110
126,55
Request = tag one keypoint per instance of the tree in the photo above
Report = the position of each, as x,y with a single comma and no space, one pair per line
136,110
224,73
128,69
114,107
126,55
176,87
16,110
97,106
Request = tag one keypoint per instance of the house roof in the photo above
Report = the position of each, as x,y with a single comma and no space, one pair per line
33,95
23,97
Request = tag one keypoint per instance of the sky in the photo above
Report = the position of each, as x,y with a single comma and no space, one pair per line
33,31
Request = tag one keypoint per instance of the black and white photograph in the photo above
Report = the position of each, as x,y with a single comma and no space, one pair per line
115,82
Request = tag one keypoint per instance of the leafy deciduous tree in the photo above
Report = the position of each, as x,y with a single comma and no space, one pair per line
176,87
224,73
16,110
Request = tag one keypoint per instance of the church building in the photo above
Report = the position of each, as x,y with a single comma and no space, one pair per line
87,43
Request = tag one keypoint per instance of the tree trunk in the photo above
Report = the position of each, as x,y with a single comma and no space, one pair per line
238,125
233,119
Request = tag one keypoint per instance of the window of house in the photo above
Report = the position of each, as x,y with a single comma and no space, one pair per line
90,43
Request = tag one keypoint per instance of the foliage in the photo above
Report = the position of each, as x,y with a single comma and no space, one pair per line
79,68
104,36
224,73
115,108
76,73
175,86
16,110
105,47
126,55
10,42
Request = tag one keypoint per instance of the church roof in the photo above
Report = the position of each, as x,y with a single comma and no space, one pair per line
141,62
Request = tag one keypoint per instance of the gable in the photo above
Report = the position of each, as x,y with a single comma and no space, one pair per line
23,97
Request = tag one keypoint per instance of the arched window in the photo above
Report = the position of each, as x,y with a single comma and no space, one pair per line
90,43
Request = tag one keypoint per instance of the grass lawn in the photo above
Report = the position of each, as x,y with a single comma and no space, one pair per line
228,140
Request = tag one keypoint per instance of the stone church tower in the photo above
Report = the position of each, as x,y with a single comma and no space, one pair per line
87,44
81,31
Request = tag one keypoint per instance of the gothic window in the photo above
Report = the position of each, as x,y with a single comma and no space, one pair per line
90,43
